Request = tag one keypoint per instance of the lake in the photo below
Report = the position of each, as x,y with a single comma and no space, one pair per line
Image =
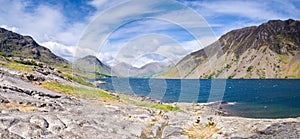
254,98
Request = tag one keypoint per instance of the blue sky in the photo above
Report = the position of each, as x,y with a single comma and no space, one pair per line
59,25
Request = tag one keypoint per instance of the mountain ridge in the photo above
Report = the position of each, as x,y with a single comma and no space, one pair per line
91,63
270,50
24,47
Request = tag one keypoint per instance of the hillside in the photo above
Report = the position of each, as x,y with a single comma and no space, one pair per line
24,47
91,64
270,50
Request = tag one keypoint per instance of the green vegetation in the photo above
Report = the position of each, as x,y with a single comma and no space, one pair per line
30,63
79,80
166,107
77,91
228,66
211,75
284,41
284,58
217,73
191,70
293,70
250,68
17,66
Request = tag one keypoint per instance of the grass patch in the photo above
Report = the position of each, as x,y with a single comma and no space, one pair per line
79,80
17,66
30,63
77,91
284,58
230,77
228,66
166,107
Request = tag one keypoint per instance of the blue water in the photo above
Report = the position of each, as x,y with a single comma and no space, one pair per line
261,98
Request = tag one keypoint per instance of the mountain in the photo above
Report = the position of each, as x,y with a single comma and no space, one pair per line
270,50
123,69
148,70
92,64
24,47
152,69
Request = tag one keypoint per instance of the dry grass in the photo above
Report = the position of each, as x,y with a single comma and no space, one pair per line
198,131
20,107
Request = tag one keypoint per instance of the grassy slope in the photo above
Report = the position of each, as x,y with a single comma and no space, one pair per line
77,91
85,92
167,107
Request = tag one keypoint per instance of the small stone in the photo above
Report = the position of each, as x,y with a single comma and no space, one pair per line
40,121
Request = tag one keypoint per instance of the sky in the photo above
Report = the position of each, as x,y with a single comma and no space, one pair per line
136,31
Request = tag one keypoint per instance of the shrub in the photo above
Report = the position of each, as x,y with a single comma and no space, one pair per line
250,68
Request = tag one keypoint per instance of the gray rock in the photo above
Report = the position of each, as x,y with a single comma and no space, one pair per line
7,122
5,134
40,121
27,130
154,130
55,124
136,129
3,99
172,131
9,111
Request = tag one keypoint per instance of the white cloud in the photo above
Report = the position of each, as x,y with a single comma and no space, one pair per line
249,9
107,58
48,26
11,28
60,49
42,21
232,14
195,45
45,23
110,21
143,61
103,4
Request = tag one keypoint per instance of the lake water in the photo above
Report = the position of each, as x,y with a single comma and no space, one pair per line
255,98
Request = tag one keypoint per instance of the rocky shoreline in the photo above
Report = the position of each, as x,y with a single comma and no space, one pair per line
30,111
